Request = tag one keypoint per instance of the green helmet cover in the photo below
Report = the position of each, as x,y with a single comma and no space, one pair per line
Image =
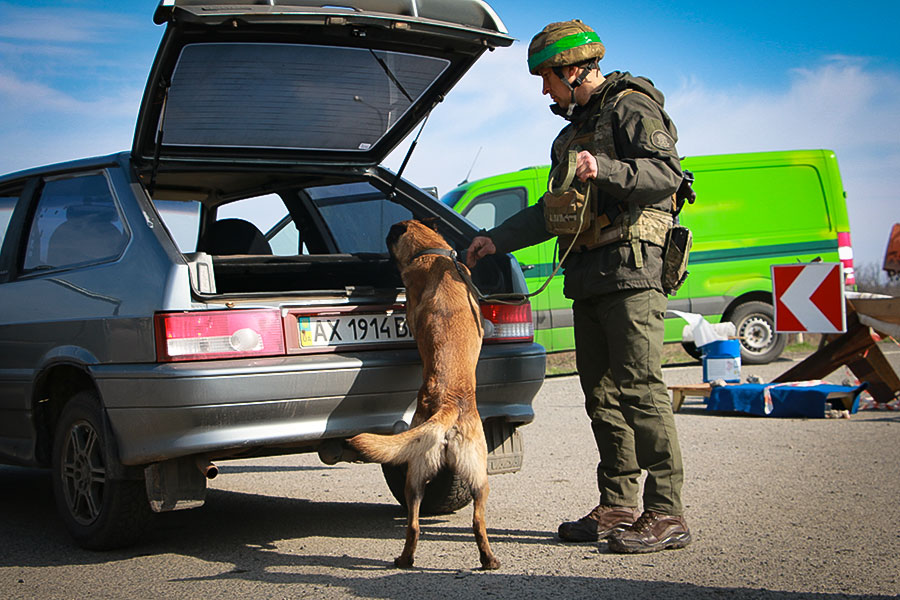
561,44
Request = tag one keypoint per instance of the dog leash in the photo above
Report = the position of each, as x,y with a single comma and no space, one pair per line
467,279
512,298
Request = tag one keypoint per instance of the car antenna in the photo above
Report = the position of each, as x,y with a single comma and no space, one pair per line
474,160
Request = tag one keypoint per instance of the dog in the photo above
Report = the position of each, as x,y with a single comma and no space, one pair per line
443,315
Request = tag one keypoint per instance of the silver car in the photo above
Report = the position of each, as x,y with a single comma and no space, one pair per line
223,290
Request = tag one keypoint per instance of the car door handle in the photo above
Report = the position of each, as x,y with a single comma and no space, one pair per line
526,267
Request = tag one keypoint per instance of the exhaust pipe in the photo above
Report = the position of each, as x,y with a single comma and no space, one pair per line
331,452
206,467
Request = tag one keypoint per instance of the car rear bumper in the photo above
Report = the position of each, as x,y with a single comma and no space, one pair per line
163,411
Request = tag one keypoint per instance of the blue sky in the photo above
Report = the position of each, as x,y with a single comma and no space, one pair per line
737,77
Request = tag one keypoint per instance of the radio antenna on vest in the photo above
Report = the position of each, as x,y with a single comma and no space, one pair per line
474,160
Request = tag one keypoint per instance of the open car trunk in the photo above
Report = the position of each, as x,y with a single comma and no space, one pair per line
300,100
327,240
331,274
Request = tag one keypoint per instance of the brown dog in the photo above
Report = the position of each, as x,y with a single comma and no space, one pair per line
446,430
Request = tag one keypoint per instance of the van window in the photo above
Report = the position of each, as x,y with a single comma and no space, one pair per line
491,209
76,222
754,206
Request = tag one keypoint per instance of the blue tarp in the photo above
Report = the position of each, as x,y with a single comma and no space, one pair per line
798,399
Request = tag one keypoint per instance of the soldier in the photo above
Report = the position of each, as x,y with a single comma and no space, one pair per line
620,171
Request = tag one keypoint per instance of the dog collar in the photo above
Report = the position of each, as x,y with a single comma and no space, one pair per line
439,251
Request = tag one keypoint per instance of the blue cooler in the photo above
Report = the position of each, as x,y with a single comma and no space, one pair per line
722,360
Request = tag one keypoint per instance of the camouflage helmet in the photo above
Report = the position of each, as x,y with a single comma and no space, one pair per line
562,44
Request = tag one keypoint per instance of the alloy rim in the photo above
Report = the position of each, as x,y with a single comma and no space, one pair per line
83,473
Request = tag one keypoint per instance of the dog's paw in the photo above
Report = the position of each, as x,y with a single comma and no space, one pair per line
490,564
402,562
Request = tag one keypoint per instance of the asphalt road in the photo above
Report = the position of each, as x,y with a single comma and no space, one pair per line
779,508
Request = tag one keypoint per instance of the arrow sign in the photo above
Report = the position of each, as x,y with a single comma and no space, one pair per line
809,298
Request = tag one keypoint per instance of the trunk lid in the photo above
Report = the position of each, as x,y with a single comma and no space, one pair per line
290,81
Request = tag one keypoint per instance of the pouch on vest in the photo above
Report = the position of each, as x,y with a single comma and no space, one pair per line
565,208
675,258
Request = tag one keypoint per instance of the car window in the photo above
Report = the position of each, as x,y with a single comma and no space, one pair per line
358,215
491,209
284,238
182,219
76,222
7,204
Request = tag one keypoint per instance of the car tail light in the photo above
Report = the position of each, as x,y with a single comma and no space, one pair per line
507,322
208,334
845,253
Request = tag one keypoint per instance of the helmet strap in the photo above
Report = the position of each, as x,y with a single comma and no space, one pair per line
585,71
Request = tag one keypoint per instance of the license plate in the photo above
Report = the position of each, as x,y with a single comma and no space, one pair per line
352,329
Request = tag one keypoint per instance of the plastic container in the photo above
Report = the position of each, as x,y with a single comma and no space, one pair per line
722,360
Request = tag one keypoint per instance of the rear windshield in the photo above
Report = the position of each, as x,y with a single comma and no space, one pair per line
291,96
358,215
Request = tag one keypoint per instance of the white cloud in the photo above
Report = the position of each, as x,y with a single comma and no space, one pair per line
58,25
32,97
837,104
41,124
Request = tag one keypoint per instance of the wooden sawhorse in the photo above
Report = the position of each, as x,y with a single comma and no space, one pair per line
694,390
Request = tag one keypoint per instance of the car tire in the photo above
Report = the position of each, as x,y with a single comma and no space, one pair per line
100,513
692,350
755,325
444,494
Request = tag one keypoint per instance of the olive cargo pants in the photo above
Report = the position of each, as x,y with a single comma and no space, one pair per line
618,353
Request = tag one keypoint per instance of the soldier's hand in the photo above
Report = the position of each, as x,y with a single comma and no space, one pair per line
585,166
480,246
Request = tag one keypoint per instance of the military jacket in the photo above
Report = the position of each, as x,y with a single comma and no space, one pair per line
637,163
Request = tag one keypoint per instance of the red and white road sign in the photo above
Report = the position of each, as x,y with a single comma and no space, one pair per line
809,298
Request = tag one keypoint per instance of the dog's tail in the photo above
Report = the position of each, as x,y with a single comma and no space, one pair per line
428,439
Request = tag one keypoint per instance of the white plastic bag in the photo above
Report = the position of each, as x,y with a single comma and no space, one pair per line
702,332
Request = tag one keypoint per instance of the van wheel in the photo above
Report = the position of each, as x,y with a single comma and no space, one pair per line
755,325
100,513
692,350
443,494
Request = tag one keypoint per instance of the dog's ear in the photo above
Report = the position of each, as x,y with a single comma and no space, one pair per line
430,222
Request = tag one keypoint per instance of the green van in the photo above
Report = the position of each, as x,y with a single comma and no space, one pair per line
752,210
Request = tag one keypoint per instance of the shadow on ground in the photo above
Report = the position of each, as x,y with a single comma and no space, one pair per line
242,532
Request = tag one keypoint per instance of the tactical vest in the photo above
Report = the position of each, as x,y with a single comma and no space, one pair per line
585,227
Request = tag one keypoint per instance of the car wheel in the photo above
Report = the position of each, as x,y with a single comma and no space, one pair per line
755,325
100,513
443,494
692,350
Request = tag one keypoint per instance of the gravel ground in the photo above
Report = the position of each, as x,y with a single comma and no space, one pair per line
780,509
